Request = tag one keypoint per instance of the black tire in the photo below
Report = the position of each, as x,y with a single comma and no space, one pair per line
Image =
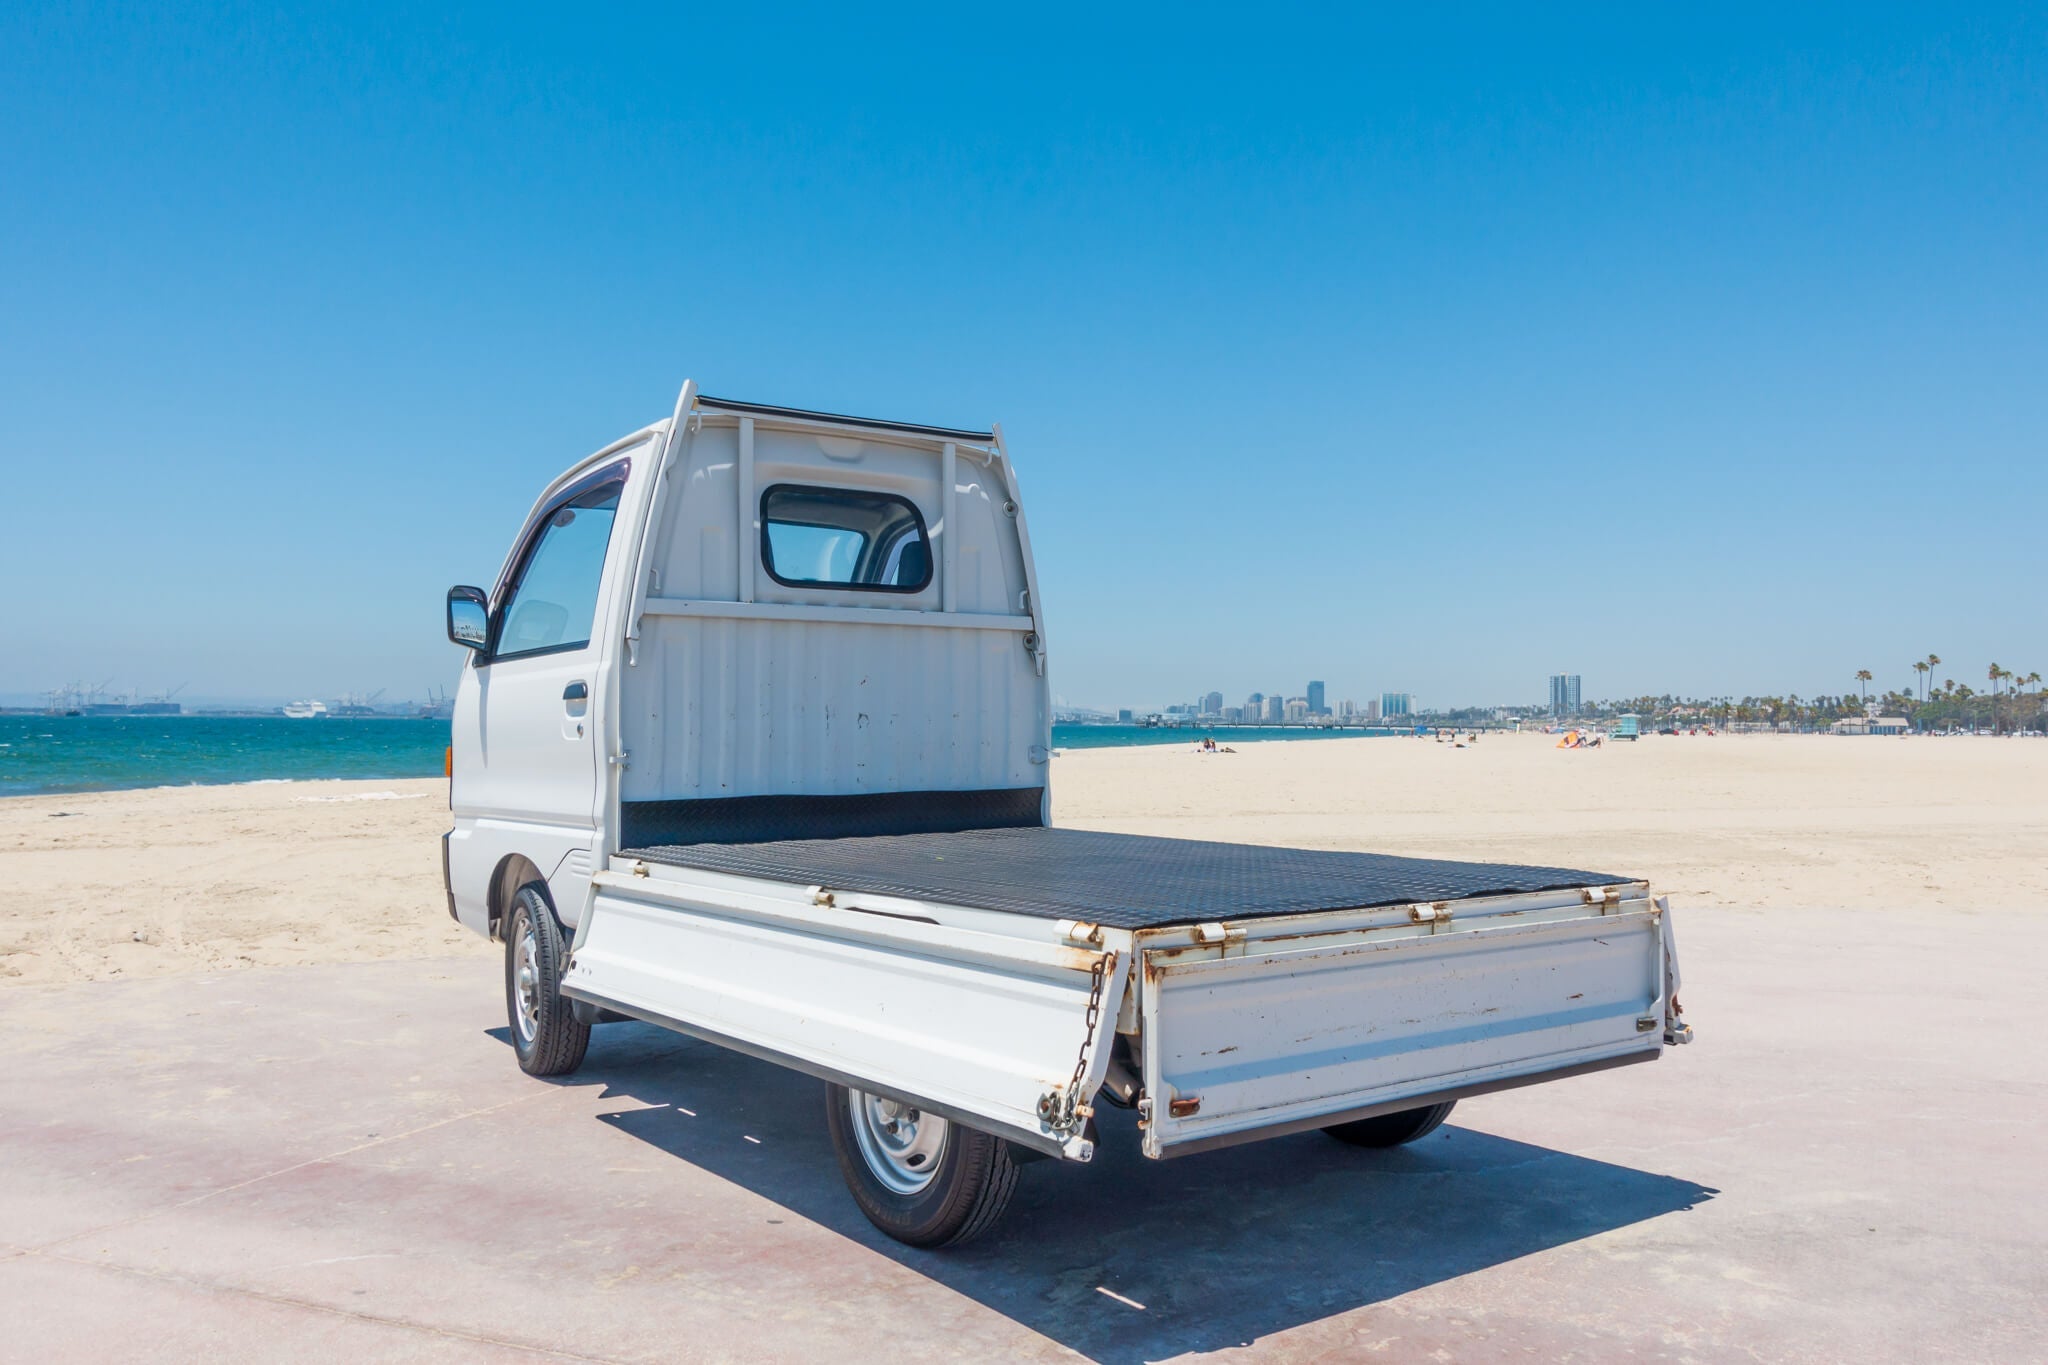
550,1042
971,1178
1391,1130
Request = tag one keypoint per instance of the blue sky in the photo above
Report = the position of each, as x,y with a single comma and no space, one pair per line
1690,351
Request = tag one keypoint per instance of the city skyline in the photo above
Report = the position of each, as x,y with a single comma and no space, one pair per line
1312,703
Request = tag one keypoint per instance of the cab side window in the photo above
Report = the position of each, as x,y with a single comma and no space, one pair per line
552,603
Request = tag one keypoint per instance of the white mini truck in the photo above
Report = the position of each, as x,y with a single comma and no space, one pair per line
753,743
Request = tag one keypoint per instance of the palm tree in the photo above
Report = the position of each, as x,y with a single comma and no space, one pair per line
1933,662
1864,675
1961,695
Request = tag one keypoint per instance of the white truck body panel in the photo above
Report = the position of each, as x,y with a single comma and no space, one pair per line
1294,1024
977,1020
744,686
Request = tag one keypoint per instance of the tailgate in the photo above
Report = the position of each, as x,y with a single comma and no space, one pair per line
1272,1027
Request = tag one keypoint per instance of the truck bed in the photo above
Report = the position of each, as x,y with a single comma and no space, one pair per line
1124,881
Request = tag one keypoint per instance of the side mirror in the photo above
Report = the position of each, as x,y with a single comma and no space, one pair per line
469,618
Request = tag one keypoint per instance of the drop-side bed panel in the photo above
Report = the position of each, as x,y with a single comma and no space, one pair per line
979,1026
1245,1039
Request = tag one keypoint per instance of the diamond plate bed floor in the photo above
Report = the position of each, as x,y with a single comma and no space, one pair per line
1126,881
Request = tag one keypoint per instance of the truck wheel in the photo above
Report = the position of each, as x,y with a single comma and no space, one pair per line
1391,1130
545,1033
922,1179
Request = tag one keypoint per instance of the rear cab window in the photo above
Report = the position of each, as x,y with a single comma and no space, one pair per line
818,537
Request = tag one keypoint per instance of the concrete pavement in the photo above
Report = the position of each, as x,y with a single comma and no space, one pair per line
344,1163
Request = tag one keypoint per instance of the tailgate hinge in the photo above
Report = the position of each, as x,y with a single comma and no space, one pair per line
1607,898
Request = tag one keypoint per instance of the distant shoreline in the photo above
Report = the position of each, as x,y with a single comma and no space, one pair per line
1128,736
79,755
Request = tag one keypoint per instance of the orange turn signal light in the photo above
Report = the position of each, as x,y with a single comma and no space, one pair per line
448,762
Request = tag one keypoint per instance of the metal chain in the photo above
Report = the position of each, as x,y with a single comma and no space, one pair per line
1063,1113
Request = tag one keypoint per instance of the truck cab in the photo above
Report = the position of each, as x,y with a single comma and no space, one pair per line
764,603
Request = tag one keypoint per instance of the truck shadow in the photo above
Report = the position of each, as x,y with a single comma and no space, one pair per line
1125,1259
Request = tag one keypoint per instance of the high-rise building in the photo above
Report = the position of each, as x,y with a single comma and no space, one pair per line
1124,715
1564,694
1394,704
1315,699
1255,705
1297,709
1212,705
1347,710
1276,707
1372,712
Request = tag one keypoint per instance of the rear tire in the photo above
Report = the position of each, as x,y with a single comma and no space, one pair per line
545,1033
922,1179
1391,1130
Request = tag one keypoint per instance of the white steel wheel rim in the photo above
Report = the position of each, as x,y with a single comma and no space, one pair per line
526,983
901,1143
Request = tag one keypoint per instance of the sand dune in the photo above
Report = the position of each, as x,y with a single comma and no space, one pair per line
204,878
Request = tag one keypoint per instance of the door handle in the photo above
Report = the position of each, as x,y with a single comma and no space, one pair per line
575,691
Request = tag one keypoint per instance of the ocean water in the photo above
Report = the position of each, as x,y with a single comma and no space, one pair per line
108,753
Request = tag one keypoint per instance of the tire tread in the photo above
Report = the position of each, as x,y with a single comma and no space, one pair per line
1393,1130
560,1039
991,1199
980,1176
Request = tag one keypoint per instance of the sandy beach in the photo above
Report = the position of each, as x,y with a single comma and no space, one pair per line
147,883
263,1107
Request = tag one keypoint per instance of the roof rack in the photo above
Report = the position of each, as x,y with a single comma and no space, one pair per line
840,419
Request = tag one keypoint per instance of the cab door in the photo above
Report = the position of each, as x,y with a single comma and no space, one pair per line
534,789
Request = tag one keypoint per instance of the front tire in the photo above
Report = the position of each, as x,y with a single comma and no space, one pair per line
545,1033
1392,1130
922,1179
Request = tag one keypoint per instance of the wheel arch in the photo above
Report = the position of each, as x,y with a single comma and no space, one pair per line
513,871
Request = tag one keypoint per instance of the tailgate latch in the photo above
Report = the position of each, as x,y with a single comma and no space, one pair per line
1432,913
